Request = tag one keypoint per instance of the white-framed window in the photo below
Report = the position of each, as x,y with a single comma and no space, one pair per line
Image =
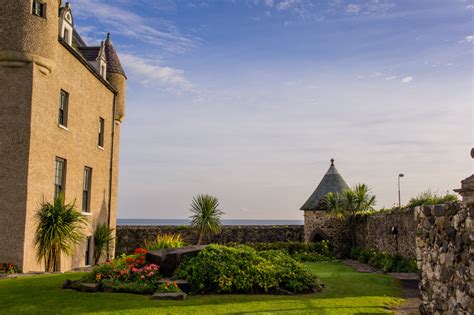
100,142
63,108
86,189
39,8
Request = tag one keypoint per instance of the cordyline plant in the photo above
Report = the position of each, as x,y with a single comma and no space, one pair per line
350,203
103,240
206,217
59,230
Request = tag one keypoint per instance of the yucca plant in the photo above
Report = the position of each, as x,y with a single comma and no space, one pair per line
103,240
163,241
206,217
59,230
350,203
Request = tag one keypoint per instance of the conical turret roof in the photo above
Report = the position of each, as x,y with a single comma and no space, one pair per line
113,61
331,182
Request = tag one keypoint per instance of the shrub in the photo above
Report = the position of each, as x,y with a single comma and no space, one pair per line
384,261
315,252
9,268
168,287
428,198
103,239
164,241
242,269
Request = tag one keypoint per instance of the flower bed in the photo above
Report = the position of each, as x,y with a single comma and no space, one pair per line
9,268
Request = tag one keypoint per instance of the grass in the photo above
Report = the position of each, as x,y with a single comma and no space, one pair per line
346,292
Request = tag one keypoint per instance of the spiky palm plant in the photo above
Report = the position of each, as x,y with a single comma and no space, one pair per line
350,203
103,239
206,217
59,230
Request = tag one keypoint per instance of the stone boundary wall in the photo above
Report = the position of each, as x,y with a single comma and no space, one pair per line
130,237
392,232
445,256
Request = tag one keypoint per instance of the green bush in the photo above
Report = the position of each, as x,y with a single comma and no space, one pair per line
383,260
428,198
314,252
242,269
9,268
163,241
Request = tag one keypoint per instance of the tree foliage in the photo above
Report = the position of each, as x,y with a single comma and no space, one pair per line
103,241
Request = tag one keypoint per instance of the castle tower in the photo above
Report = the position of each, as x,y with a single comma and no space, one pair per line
28,33
318,225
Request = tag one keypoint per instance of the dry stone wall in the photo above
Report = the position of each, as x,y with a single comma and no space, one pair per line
445,256
130,237
392,232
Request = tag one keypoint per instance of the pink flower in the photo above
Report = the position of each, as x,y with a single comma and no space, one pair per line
142,277
151,274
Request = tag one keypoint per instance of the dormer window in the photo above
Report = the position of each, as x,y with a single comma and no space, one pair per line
39,8
66,24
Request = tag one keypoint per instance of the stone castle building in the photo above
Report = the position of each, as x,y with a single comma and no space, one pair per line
318,225
61,106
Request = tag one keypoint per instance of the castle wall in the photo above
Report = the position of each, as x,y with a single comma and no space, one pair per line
89,99
319,225
387,232
445,256
129,237
15,112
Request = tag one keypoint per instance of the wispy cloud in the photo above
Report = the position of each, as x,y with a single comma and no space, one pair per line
470,7
353,8
407,79
467,39
154,31
150,72
390,78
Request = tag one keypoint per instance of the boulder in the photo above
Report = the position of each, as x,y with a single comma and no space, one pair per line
169,296
89,287
169,259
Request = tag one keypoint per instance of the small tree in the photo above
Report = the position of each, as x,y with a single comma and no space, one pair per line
103,239
350,203
206,217
59,230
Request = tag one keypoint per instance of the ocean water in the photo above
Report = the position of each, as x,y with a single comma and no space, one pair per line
224,222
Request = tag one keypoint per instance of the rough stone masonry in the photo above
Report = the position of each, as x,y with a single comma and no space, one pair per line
445,256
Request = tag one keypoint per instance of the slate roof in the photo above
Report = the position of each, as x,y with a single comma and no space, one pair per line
113,61
331,182
89,53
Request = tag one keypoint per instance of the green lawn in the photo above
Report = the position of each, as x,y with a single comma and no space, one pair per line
346,292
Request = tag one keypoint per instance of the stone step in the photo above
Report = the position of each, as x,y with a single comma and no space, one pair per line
180,296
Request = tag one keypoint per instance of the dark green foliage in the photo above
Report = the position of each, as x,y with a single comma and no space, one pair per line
206,218
302,251
242,269
428,198
60,228
383,260
103,241
9,268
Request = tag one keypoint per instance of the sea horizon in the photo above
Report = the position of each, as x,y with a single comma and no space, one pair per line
180,222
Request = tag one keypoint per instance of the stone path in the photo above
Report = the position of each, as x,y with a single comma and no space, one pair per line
409,282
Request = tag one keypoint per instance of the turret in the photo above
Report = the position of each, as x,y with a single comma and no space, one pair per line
116,76
29,31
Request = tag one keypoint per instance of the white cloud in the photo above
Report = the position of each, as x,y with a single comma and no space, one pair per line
151,73
156,31
467,39
353,8
407,79
393,77
470,7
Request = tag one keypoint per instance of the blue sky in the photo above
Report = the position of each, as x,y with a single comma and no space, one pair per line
248,100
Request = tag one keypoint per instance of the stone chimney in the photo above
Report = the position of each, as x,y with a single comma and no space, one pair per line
467,187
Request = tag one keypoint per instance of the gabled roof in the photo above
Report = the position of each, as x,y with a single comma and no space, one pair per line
113,61
331,182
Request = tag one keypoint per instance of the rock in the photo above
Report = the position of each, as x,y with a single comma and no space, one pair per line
281,291
182,284
180,296
89,287
108,290
439,210
169,259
